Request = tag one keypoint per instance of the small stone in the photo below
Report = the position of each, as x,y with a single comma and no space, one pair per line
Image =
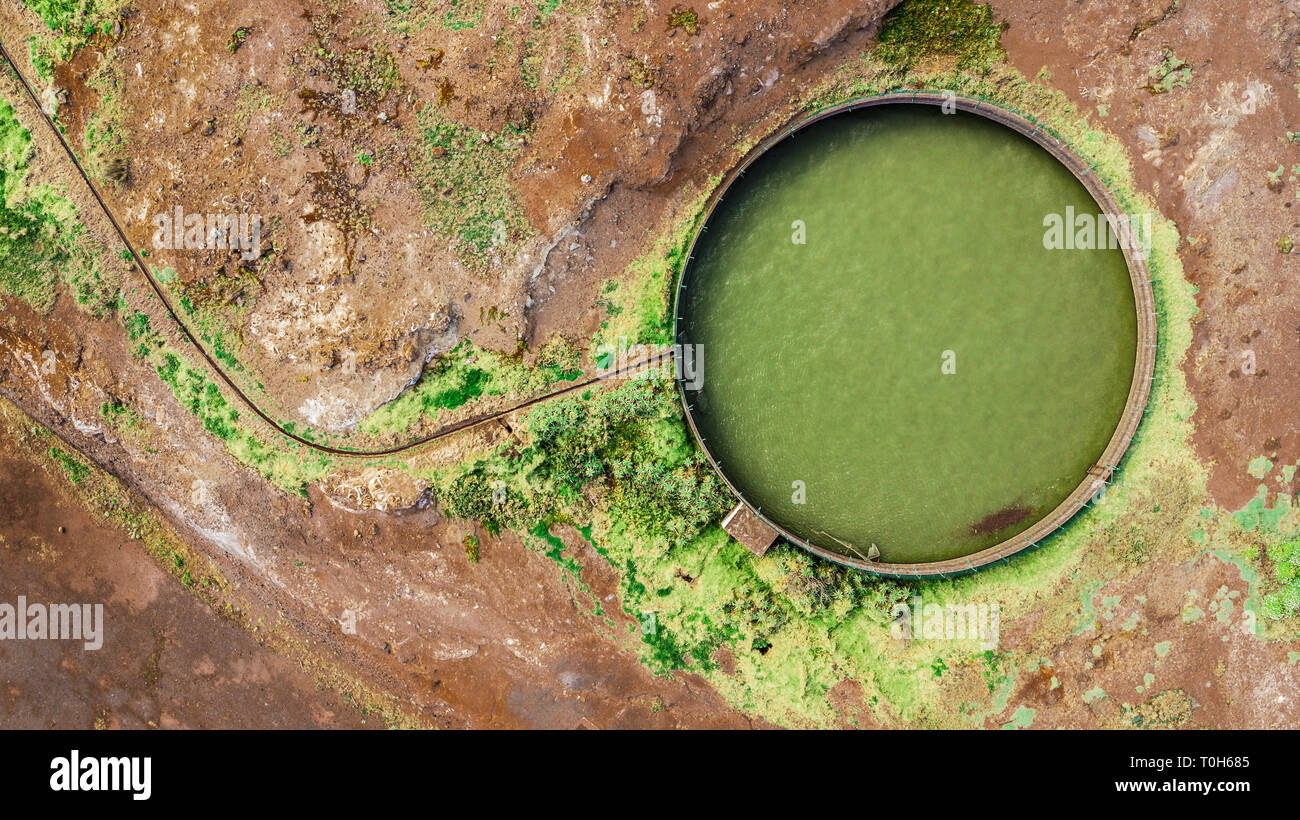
586,179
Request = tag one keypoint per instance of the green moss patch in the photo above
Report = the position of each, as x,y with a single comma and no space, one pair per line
40,238
466,373
916,30
468,196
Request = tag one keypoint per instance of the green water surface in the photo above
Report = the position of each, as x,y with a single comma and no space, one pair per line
823,362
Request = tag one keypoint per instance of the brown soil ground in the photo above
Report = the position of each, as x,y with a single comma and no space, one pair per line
392,599
167,659
347,271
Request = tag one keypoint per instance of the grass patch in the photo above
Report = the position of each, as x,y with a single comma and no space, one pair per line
1285,563
467,193
467,373
70,25
1170,74
282,461
104,141
637,303
627,445
120,417
41,240
684,18
917,30
75,469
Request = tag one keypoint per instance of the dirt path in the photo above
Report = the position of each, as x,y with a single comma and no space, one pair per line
167,660
389,601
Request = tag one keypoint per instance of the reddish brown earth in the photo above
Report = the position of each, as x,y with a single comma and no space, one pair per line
348,270
1182,626
499,644
507,642
167,660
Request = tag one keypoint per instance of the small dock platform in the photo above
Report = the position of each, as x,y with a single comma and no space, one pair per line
744,525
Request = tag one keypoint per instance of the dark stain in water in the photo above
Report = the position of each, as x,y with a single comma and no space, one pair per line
1000,520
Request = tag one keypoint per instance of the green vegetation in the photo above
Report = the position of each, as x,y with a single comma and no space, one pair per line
200,396
237,39
471,548
76,470
1170,74
530,65
104,144
466,373
627,444
636,304
1285,244
137,325
1167,710
40,238
685,19
639,73
209,305
67,16
283,462
370,72
30,221
467,192
120,417
917,30
71,24
463,14
253,98
1285,560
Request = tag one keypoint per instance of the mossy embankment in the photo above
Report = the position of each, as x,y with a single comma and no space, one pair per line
41,241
